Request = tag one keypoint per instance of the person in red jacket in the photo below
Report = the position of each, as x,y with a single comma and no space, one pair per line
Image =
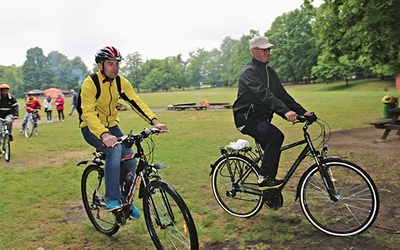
32,106
60,107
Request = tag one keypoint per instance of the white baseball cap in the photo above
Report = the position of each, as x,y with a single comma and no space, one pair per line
261,42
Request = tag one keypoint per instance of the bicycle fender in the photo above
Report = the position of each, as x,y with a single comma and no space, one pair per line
309,169
212,165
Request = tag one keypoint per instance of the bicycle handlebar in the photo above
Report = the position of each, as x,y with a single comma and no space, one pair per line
130,138
307,118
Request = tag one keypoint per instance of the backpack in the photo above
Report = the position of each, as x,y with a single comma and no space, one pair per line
96,81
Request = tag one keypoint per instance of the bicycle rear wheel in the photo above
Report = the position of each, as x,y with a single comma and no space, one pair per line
168,219
93,193
357,204
29,127
6,148
235,187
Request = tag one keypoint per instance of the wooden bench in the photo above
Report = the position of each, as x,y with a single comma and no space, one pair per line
185,107
389,124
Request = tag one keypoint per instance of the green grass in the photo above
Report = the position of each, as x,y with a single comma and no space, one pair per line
40,203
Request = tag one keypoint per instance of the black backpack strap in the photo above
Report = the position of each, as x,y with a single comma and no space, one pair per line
118,80
95,79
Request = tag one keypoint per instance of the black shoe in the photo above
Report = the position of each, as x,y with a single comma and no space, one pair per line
268,183
11,137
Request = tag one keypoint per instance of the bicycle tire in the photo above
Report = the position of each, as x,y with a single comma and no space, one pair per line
93,193
29,127
7,148
243,199
175,228
358,199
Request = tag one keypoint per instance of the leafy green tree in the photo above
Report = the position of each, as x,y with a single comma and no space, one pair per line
240,57
227,47
133,69
36,70
12,75
295,52
196,70
365,31
175,66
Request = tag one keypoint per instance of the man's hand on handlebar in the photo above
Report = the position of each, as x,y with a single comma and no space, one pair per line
159,125
109,140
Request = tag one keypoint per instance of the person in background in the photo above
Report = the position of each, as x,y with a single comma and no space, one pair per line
260,95
74,96
8,106
60,107
99,121
32,106
48,108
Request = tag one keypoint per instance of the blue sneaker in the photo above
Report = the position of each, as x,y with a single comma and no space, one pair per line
135,214
113,205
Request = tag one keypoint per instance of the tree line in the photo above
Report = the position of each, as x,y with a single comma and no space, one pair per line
341,39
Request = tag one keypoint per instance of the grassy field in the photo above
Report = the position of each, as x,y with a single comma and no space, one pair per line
40,203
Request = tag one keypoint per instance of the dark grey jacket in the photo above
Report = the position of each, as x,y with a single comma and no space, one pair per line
261,93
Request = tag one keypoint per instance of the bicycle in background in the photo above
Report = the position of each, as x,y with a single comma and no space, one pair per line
337,197
167,217
5,137
31,124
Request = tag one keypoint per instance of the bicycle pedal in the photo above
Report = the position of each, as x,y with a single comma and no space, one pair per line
119,216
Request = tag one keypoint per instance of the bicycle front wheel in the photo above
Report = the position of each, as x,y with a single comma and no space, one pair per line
29,127
93,193
235,187
168,219
354,207
6,148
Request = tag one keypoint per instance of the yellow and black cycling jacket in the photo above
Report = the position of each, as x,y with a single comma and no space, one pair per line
101,114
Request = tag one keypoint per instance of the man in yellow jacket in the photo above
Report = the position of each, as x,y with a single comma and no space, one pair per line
99,119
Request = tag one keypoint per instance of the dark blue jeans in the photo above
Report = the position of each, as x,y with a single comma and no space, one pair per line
113,161
270,139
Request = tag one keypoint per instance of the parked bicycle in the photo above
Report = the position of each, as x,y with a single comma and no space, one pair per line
336,196
5,137
167,217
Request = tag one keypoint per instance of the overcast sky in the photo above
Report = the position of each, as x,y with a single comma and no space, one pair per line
155,29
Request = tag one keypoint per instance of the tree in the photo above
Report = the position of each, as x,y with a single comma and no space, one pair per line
133,69
66,74
12,75
364,31
227,47
36,70
240,56
295,52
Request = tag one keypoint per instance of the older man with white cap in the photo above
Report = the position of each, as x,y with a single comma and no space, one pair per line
260,95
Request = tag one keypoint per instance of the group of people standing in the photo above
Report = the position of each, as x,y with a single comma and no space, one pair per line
59,102
9,107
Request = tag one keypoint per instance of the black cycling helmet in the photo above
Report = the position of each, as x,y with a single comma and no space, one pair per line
108,53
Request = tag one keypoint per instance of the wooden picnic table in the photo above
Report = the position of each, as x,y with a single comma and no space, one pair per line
390,124
184,104
187,105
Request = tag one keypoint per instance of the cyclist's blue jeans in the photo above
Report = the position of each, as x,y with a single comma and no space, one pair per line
271,139
113,161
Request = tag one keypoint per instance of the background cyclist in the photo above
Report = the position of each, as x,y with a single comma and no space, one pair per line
8,106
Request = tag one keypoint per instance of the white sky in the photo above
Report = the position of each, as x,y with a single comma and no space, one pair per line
155,28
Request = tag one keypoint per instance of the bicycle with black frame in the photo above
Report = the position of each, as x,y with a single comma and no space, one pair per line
337,196
167,216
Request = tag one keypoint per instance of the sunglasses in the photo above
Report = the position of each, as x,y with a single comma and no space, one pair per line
264,50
